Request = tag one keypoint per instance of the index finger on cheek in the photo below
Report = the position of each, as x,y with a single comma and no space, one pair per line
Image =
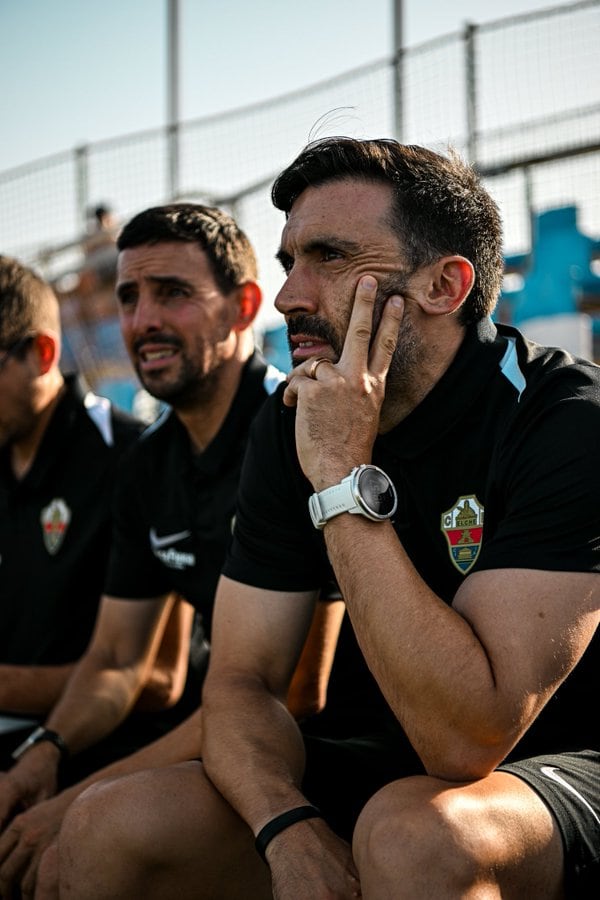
383,346
360,327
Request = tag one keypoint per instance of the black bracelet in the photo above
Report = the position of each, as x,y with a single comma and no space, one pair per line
280,823
36,737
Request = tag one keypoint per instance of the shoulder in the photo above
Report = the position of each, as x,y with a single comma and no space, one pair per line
156,445
115,427
552,371
259,379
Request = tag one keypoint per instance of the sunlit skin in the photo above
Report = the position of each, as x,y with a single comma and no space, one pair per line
175,320
336,233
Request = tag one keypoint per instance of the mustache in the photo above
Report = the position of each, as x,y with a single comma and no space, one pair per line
315,327
156,338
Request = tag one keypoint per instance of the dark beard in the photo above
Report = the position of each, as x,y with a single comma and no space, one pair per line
316,327
194,386
190,390
409,349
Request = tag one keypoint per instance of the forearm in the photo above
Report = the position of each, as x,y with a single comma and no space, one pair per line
431,666
252,749
96,700
166,681
307,694
32,690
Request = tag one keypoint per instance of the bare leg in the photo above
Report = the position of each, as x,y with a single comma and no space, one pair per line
422,837
163,833
47,876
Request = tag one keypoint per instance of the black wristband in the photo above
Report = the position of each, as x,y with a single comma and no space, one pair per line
36,737
280,823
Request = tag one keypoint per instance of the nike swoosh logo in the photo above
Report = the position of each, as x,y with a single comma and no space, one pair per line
166,539
551,772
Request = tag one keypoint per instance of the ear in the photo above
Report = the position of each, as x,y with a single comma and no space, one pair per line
47,348
451,280
249,297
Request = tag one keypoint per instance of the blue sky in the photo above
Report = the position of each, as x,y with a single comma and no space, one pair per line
75,71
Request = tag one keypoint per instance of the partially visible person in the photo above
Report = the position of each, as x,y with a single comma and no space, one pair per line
59,446
99,245
188,296
446,469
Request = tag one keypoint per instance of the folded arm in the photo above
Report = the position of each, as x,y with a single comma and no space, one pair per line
464,680
467,679
252,747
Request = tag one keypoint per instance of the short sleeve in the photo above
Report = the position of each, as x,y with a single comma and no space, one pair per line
274,543
544,509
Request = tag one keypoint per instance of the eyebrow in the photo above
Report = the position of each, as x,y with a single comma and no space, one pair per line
154,279
322,243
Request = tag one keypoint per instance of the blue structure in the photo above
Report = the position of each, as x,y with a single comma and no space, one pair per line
557,274
276,348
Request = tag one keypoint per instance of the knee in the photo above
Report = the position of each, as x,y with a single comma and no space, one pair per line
96,816
47,876
105,823
418,830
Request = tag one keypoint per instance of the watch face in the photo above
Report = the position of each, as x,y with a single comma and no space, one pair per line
377,491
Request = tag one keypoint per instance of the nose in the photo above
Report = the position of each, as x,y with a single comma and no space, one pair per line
147,315
298,294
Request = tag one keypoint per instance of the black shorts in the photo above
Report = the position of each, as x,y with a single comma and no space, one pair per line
569,785
343,774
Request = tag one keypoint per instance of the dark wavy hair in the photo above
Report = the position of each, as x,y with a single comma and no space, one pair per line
439,205
229,252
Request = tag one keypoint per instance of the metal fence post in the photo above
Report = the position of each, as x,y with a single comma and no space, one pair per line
172,98
398,71
81,186
471,91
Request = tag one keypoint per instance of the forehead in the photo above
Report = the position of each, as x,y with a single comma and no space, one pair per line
350,209
180,259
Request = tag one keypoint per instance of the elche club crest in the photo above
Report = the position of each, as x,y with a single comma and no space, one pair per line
55,520
462,525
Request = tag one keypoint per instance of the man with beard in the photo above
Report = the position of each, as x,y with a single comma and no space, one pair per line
408,414
188,296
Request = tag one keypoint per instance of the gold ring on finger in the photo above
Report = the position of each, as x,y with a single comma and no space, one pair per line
312,371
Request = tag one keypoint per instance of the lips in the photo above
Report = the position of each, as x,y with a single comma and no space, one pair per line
155,356
310,336
151,355
304,346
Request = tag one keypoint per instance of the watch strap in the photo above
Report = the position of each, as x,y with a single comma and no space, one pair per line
37,736
332,501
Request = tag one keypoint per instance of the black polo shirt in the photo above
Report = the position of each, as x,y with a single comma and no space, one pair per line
174,508
55,530
497,467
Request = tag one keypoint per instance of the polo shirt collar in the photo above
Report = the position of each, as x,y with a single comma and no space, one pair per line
226,443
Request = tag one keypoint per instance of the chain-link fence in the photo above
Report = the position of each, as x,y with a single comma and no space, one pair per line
520,97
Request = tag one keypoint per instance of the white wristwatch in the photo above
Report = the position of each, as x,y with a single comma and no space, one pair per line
366,491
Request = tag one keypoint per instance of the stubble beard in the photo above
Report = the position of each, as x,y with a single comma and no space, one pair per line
192,386
409,352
